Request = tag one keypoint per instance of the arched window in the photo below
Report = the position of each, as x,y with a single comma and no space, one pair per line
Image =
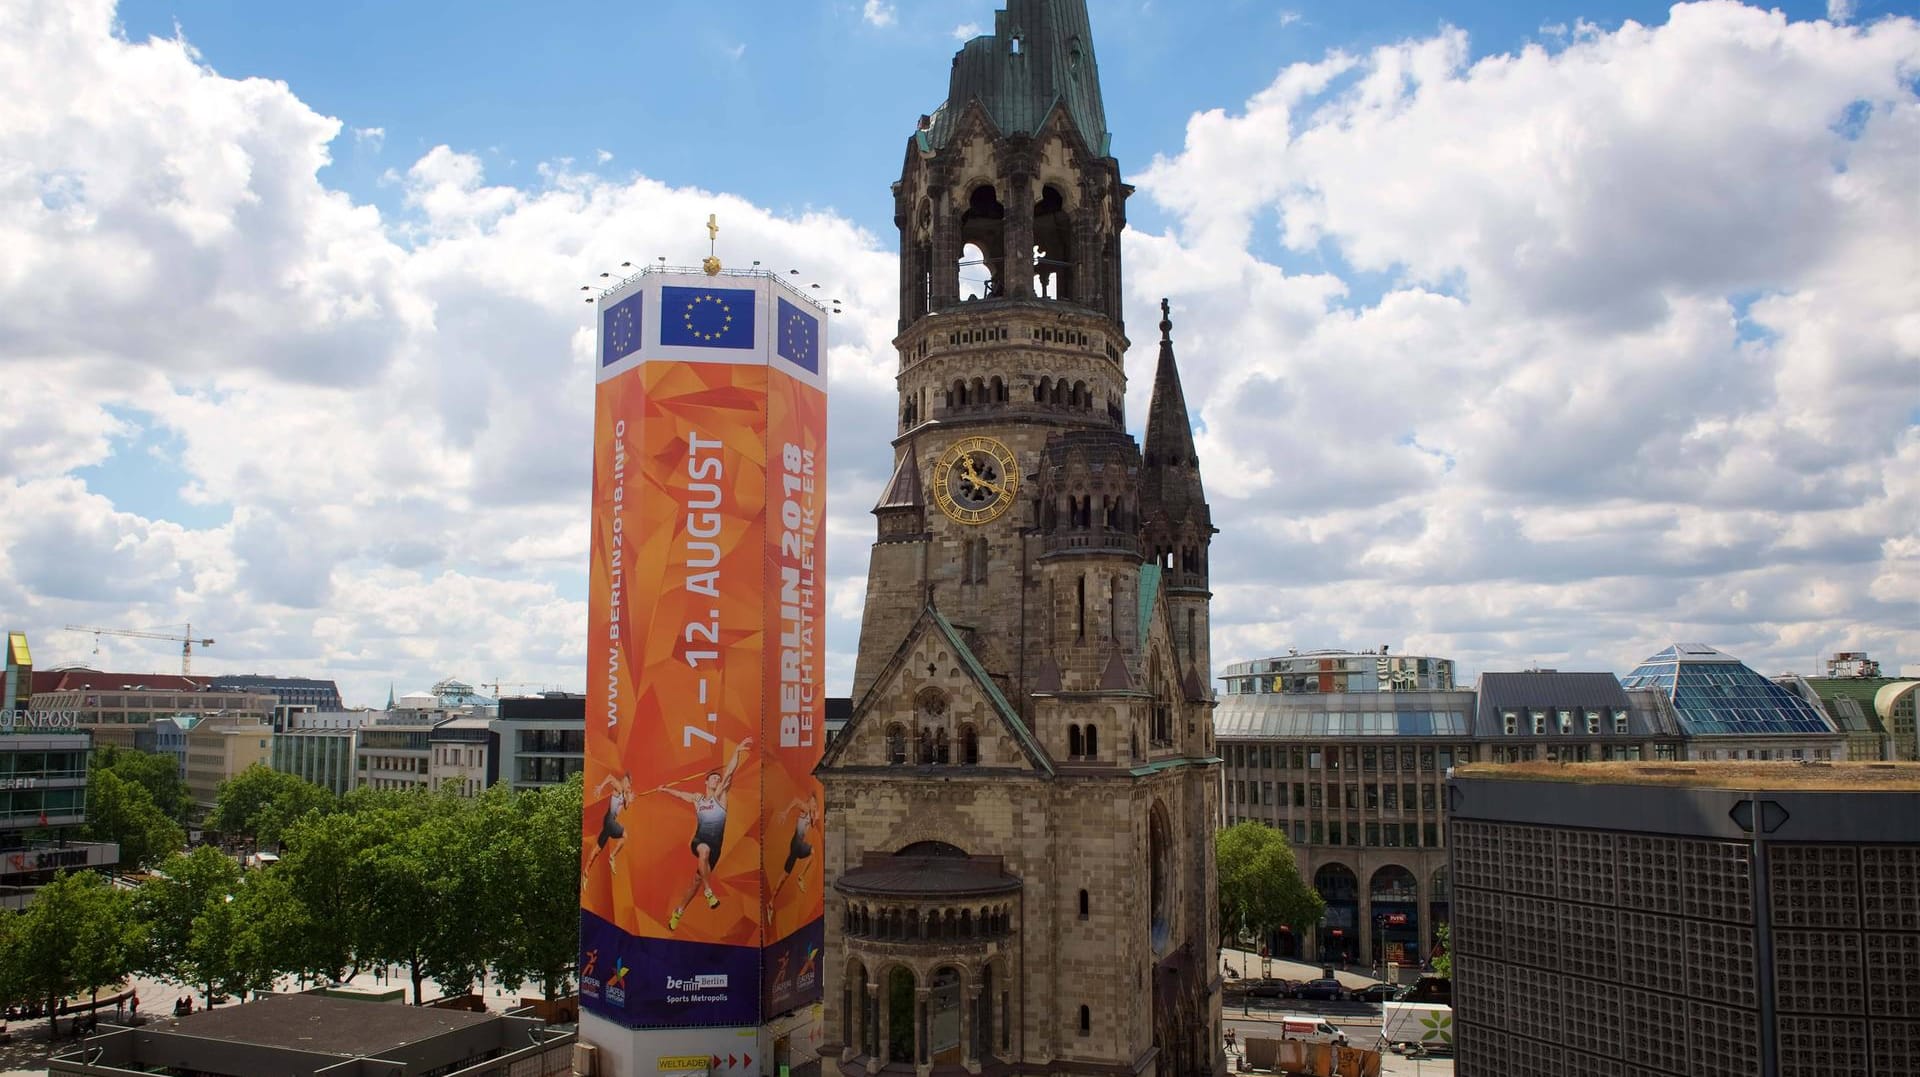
896,744
941,754
1042,390
1073,741
1093,740
1084,904
1086,1020
969,746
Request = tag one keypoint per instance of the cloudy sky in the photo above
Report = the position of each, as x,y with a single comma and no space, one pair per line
1529,333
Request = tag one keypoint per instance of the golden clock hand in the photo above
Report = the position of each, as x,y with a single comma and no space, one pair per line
974,476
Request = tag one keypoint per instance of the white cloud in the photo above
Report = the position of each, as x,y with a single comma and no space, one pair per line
1635,373
602,156
1840,10
393,410
1288,18
370,137
967,31
735,52
877,13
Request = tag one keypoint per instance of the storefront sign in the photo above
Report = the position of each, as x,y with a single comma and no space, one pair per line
23,721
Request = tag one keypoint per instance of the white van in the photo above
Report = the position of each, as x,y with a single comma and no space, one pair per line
1301,1026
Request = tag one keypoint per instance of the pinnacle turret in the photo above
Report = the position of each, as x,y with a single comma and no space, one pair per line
1170,488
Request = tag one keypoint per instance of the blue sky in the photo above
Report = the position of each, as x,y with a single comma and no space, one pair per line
1515,333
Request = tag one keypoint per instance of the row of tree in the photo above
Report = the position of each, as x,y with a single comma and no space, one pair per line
454,889
1260,888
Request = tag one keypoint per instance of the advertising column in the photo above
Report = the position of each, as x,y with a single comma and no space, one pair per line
700,903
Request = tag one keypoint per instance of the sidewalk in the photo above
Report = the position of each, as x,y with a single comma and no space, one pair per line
1247,964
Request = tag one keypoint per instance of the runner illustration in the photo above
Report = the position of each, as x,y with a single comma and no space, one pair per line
612,834
806,811
710,830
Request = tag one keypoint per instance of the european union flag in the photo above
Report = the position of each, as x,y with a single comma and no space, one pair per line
799,337
706,317
620,330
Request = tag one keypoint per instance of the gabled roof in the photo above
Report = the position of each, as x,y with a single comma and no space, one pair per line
931,620
94,680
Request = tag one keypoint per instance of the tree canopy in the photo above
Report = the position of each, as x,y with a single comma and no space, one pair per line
75,936
261,803
122,810
1259,883
158,774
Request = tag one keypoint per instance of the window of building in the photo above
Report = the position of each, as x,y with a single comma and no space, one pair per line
1353,796
1426,759
1333,758
1407,796
1086,1015
1406,760
1428,796
1566,722
1373,834
1299,832
1352,759
1619,723
1266,757
1266,792
896,744
1333,832
1313,794
1083,904
1446,759
1392,836
1369,759
1431,833
1300,794
1510,721
1373,797
1593,724
1390,798
1539,724
1298,755
1408,834
1316,835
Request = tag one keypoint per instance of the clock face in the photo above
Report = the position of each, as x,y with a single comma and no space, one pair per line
976,480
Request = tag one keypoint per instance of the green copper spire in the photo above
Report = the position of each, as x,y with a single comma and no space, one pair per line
1040,53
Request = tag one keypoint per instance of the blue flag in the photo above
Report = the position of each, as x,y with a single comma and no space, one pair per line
706,317
799,337
620,330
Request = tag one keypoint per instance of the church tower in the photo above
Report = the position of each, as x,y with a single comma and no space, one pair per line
1021,809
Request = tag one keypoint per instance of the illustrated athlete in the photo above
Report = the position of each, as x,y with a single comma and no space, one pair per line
710,830
612,834
807,812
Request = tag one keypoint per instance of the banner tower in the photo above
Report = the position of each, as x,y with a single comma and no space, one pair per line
700,895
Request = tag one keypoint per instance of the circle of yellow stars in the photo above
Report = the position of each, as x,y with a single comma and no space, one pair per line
796,336
726,317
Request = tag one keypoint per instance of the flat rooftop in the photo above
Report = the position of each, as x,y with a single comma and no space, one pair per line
1812,776
329,1026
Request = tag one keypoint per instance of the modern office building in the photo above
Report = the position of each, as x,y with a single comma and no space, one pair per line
1894,703
542,739
318,746
219,747
119,708
1344,752
463,754
295,694
394,750
43,791
1728,711
1689,919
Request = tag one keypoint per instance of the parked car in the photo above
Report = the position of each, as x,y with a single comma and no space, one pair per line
1326,989
1380,992
1269,988
1433,989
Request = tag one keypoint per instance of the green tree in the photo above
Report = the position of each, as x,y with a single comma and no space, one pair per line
542,869
171,905
1443,951
122,810
319,868
1260,885
159,774
76,936
261,803
273,927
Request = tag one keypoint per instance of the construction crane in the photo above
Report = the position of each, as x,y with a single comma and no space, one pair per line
186,640
497,685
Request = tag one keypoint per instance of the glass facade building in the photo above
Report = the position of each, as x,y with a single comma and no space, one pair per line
1717,695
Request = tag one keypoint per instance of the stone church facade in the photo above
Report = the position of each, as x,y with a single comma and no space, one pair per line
1021,809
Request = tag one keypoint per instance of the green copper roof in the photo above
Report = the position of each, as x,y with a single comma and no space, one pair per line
1040,53
1149,590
